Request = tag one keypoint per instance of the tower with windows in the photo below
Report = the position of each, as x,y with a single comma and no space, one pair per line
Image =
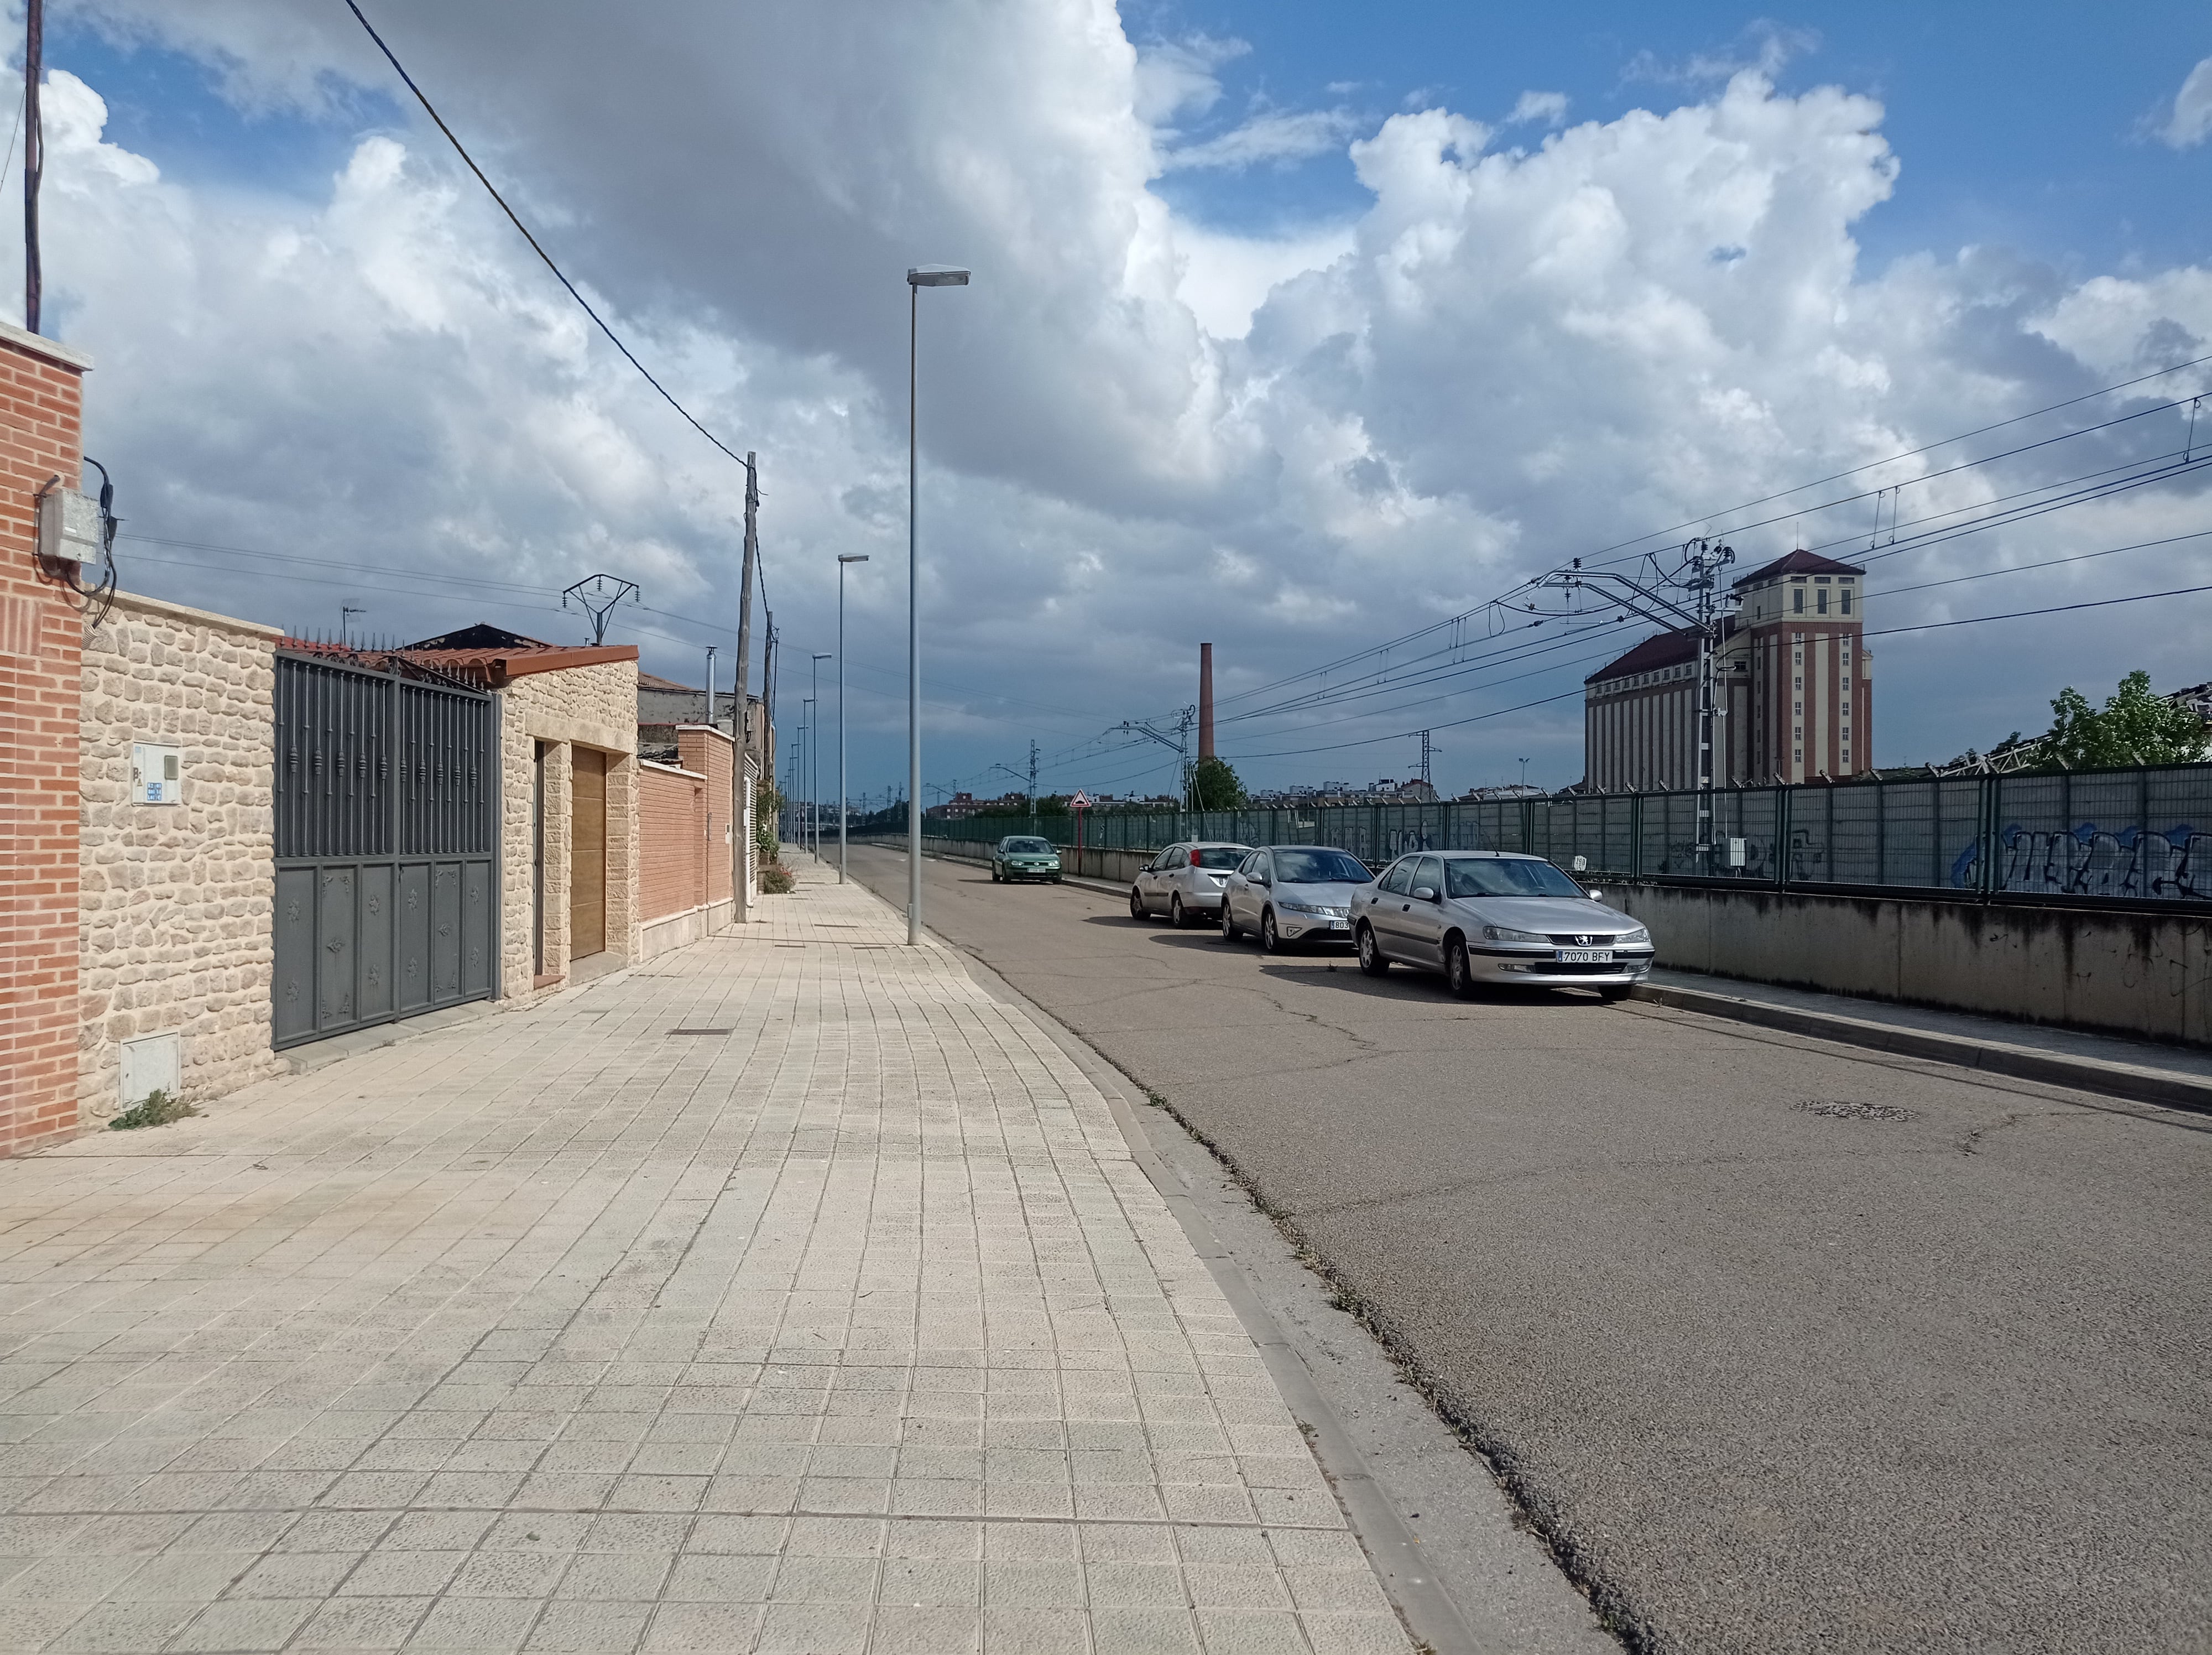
1801,621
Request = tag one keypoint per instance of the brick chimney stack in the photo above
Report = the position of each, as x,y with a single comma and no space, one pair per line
1205,701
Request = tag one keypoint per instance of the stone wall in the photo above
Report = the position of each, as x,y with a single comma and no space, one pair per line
594,706
176,900
41,629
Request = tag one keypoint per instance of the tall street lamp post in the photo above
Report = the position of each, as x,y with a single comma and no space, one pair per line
915,281
814,767
844,560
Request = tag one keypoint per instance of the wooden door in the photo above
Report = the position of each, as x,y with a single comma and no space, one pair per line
587,854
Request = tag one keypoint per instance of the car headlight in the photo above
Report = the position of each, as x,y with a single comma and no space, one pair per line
1639,938
1300,907
1507,934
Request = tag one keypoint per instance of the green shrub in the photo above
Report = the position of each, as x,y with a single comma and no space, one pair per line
157,1108
776,880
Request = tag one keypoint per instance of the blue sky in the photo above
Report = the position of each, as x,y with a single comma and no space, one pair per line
1295,327
2018,123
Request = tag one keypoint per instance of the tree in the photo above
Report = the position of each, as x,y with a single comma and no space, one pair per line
1214,785
2137,726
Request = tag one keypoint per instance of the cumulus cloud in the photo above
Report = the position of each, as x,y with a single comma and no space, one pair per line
2191,122
1278,136
1139,430
1539,108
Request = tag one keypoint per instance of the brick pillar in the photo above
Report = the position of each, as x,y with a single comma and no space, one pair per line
41,644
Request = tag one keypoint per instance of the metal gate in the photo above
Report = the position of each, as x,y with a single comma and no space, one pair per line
388,833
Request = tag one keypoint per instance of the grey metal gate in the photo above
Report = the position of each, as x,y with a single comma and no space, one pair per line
387,830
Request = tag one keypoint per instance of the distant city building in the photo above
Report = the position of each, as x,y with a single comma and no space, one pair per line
1794,690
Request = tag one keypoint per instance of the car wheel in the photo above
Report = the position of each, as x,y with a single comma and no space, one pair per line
994,873
1176,916
1136,904
1459,975
1271,940
1229,933
1372,960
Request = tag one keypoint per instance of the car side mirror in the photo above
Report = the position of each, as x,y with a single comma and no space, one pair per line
1425,893
1596,895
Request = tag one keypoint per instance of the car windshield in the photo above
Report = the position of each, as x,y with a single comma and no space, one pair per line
1320,867
1501,876
1220,858
1027,847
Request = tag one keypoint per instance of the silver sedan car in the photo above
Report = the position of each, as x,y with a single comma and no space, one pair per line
1496,917
1184,881
1293,893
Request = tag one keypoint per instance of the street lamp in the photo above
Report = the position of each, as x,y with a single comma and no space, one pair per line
916,280
814,765
844,558
800,767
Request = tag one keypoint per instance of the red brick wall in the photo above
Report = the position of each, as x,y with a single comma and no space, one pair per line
671,831
41,641
708,752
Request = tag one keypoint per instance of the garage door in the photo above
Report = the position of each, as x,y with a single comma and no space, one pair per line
387,815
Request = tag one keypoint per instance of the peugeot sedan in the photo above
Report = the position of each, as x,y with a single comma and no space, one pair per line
1293,893
1023,856
1496,917
1184,881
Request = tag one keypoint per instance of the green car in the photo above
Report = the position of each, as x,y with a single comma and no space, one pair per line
1023,856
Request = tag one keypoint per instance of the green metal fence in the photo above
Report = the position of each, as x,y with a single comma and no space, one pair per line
2122,835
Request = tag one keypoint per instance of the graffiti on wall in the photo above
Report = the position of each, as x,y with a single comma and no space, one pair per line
2088,860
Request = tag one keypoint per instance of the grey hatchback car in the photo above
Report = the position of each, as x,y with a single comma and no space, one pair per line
1496,917
1293,893
1184,881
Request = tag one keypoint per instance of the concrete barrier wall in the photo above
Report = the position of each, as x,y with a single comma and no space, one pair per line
2125,973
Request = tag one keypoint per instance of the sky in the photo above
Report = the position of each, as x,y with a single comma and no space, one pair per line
1308,330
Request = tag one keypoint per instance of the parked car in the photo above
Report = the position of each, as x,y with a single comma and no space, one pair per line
1293,893
1184,881
1023,856
1495,916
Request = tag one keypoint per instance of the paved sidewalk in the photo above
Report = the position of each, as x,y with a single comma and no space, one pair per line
849,1323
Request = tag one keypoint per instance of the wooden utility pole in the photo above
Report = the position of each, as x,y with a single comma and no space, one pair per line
741,894
34,156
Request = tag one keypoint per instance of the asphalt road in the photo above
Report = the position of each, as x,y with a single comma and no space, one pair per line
1785,1346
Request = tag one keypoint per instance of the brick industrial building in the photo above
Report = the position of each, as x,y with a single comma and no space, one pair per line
1794,690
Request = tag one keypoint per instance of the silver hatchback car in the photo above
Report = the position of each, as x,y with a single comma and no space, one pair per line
1496,917
1184,881
1293,893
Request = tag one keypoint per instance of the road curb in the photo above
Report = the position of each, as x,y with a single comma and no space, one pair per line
2020,1063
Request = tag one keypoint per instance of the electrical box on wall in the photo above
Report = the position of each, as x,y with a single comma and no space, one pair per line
150,1063
156,773
69,527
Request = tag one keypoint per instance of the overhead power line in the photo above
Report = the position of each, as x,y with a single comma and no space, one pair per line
536,247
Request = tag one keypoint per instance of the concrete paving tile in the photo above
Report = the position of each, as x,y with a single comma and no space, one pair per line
718,1578
1160,1631
403,1574
295,1574
361,1623
130,1628
253,1624
596,1628
811,1629
477,1626
1250,1632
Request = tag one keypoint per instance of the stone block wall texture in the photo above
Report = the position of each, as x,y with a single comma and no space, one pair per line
594,706
41,633
176,901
